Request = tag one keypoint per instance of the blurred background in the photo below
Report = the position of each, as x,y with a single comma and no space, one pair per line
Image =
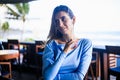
98,20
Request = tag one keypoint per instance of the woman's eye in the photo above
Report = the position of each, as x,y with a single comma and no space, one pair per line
63,18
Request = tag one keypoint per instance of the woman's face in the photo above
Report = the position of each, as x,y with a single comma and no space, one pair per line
64,23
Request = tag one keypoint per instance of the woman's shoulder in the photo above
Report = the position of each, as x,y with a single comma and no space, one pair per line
85,41
51,43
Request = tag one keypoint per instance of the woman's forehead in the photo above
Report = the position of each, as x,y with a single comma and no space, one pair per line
61,14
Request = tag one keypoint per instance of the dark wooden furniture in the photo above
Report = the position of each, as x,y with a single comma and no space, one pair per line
33,60
8,54
96,64
94,69
39,47
14,44
8,73
102,54
112,68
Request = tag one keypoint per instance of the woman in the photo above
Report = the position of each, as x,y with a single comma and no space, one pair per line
65,56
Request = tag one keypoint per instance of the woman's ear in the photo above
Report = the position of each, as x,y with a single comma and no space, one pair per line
74,20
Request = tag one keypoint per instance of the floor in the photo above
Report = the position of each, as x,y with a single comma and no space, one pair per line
23,76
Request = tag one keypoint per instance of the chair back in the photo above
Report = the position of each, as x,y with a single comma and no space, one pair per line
94,68
39,42
113,51
13,43
39,46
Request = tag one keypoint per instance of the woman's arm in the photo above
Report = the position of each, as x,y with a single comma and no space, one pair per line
51,67
85,61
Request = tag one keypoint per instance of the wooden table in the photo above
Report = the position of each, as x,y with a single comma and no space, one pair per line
8,54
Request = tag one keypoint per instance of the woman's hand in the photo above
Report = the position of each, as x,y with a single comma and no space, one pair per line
70,45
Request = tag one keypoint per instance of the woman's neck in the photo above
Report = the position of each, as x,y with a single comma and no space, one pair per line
66,38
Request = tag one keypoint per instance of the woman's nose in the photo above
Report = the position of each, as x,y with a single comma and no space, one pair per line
60,23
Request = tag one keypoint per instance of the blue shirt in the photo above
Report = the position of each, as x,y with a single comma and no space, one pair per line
72,66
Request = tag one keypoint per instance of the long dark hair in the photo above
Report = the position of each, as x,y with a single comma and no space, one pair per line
53,34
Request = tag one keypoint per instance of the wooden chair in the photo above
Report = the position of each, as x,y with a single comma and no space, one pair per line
113,69
39,47
94,67
14,44
6,73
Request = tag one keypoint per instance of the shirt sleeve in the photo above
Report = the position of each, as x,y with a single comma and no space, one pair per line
85,61
51,66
